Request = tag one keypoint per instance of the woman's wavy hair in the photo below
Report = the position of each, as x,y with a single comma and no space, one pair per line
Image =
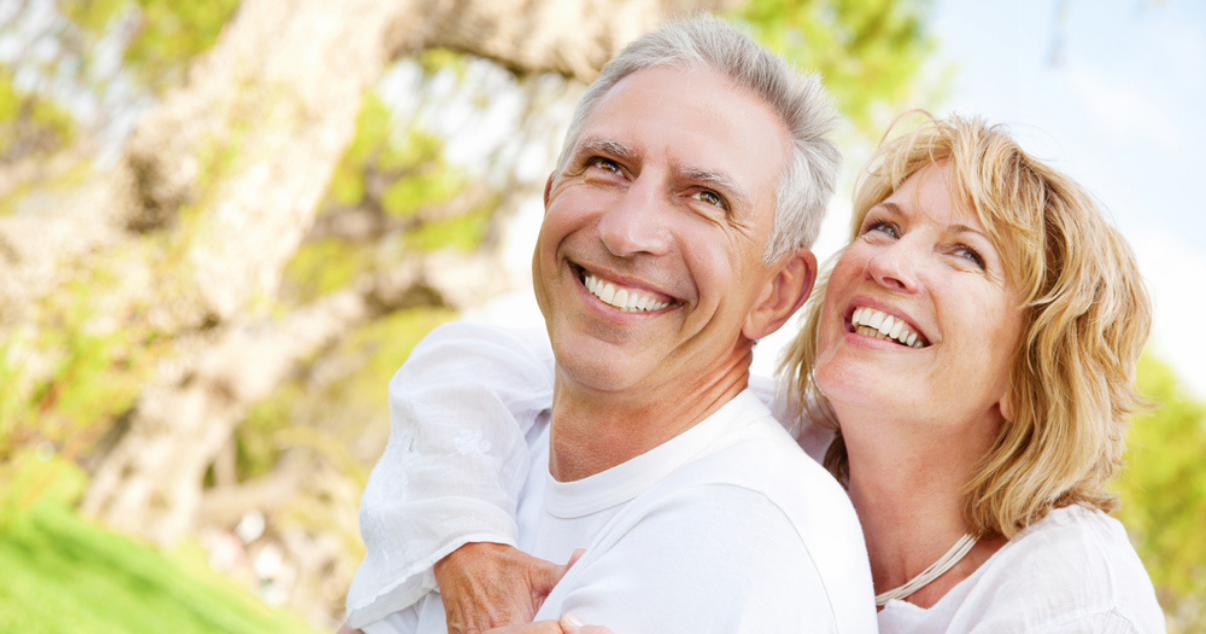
1086,317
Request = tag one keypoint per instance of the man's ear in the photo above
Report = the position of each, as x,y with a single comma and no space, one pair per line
783,294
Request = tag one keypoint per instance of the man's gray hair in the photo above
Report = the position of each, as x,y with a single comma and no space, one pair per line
802,103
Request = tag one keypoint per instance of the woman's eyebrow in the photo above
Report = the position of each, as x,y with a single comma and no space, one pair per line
890,207
960,229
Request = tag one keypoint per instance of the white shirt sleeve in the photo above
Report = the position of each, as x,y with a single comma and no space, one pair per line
461,408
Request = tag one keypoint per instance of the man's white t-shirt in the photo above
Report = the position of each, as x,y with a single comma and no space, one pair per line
727,527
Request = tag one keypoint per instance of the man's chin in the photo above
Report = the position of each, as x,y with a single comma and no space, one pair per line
599,366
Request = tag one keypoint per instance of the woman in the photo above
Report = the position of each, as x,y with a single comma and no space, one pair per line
975,353
967,369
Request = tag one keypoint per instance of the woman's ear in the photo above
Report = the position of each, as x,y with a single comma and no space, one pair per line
783,294
1006,403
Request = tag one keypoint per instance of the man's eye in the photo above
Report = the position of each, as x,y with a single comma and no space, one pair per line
605,164
710,197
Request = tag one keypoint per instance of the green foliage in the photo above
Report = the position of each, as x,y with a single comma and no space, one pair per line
29,124
434,60
64,574
868,52
463,232
430,183
1163,487
414,163
256,448
373,126
93,376
169,34
35,476
92,15
384,344
370,355
324,266
400,174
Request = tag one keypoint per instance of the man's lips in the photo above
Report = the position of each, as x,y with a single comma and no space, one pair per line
624,298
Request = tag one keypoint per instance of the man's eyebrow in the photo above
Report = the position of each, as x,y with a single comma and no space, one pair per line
719,181
605,146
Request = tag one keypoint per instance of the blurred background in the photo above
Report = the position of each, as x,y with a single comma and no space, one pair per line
224,225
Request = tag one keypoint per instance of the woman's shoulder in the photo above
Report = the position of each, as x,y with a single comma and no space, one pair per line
1074,539
1076,563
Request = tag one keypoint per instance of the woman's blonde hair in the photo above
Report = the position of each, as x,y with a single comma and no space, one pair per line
1086,318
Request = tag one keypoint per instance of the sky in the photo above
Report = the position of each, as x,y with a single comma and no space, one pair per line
1110,92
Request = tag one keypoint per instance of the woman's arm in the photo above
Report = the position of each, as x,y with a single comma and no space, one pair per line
462,408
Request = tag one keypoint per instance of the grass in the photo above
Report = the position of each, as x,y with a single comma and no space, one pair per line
62,573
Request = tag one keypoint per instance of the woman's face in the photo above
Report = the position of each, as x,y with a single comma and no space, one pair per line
918,321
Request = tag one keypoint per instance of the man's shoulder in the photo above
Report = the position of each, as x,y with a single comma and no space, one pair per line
762,457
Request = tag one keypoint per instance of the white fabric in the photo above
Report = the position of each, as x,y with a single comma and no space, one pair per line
1074,563
454,478
727,527
1075,571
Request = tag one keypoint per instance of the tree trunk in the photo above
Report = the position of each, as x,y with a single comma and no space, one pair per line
231,168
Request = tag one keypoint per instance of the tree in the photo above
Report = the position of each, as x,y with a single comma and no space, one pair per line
265,222
1163,491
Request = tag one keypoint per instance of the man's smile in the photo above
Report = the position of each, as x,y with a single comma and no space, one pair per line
625,298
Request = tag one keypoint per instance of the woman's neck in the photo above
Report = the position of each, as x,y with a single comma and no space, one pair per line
907,483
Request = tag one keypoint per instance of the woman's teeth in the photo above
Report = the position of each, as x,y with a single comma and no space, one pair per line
870,322
626,299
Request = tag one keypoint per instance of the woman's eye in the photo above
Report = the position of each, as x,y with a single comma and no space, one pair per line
969,254
883,227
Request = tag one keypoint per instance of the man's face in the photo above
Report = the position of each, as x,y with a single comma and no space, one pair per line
650,258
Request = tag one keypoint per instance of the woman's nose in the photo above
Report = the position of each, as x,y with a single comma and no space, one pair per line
895,267
637,222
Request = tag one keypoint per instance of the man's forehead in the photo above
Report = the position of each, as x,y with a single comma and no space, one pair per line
697,121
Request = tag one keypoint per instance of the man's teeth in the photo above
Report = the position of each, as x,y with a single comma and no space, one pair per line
626,299
870,322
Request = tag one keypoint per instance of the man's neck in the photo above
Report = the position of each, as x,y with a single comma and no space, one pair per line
593,431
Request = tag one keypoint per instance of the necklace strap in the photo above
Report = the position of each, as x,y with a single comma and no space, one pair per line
945,563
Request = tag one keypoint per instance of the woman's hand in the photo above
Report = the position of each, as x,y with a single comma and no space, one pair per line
485,585
569,624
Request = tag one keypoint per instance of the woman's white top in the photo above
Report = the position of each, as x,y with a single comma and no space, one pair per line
1073,571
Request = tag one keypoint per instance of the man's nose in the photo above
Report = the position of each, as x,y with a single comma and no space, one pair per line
637,221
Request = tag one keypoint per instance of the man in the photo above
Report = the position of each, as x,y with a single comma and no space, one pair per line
675,236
